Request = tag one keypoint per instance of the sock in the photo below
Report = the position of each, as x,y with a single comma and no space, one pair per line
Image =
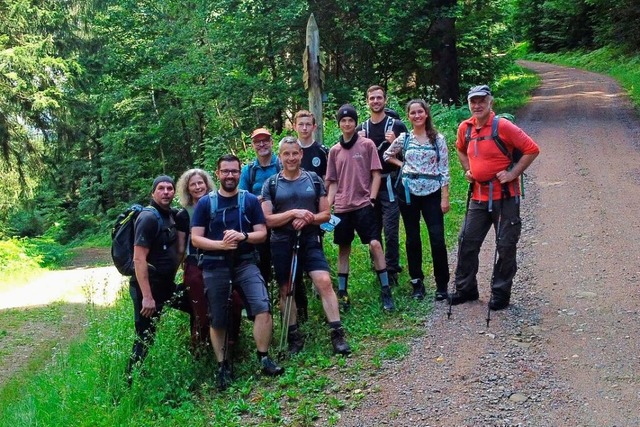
293,328
343,278
415,281
383,276
335,325
261,354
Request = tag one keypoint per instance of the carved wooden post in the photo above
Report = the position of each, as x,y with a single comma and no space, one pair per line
313,75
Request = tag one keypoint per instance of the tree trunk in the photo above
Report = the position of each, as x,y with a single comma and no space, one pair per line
444,56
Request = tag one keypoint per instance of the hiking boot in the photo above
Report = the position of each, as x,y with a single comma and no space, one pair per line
296,342
393,278
458,297
270,368
340,345
343,299
387,299
498,302
441,295
224,377
418,290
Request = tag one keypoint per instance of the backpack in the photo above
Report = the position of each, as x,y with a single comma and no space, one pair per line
213,202
317,185
123,236
387,127
514,156
253,171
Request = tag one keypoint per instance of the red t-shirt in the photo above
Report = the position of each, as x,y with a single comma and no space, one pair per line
486,159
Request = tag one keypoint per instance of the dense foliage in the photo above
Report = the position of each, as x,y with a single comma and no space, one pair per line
556,25
98,97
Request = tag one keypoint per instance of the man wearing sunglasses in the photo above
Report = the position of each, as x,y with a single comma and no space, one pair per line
227,235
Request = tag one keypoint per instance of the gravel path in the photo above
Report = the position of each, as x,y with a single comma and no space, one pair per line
565,353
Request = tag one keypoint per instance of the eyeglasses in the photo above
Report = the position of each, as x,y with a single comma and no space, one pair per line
262,142
227,172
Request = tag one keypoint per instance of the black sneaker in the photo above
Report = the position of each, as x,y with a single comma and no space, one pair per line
343,299
460,298
418,290
270,368
441,295
387,299
340,345
224,377
295,340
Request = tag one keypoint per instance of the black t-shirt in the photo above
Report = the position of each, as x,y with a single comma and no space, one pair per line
376,133
183,223
161,241
314,159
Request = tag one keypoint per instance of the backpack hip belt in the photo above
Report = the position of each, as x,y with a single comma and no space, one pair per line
490,184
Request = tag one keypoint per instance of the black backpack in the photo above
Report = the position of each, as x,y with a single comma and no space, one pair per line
123,236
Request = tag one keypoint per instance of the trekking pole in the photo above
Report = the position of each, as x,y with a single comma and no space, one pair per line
505,192
284,334
464,229
225,347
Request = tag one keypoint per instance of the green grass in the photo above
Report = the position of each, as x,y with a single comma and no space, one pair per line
83,385
607,60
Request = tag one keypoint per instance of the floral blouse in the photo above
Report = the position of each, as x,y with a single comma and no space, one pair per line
425,173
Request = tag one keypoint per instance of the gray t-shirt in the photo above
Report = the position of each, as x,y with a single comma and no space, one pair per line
301,193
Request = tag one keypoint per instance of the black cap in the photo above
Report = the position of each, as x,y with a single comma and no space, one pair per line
482,90
347,110
162,178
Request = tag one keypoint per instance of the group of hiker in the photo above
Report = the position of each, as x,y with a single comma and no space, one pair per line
270,216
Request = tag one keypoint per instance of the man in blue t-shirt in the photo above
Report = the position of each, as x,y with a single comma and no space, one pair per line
251,179
227,237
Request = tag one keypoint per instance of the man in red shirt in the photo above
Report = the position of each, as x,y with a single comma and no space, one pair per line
495,199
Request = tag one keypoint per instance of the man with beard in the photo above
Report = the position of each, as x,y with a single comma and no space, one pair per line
383,130
227,233
156,260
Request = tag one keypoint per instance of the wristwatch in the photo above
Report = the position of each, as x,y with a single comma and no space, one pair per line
246,236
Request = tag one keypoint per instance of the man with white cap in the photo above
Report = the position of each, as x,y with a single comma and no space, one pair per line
495,196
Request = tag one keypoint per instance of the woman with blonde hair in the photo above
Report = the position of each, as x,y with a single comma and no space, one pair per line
191,186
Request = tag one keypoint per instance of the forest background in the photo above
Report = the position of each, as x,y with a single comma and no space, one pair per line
98,97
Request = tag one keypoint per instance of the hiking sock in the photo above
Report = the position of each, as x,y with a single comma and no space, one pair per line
261,354
383,276
343,278
335,325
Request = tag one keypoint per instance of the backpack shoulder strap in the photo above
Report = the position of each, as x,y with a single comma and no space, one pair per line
213,204
389,124
405,144
253,171
467,136
273,187
365,127
496,137
157,215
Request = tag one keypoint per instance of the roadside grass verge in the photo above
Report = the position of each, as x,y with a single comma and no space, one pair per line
83,384
608,60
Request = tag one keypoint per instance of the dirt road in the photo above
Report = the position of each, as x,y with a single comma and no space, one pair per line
566,352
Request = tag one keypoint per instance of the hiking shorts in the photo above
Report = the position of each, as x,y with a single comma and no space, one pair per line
249,284
310,257
363,221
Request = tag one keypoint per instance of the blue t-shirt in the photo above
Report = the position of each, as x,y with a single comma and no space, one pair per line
227,217
262,173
